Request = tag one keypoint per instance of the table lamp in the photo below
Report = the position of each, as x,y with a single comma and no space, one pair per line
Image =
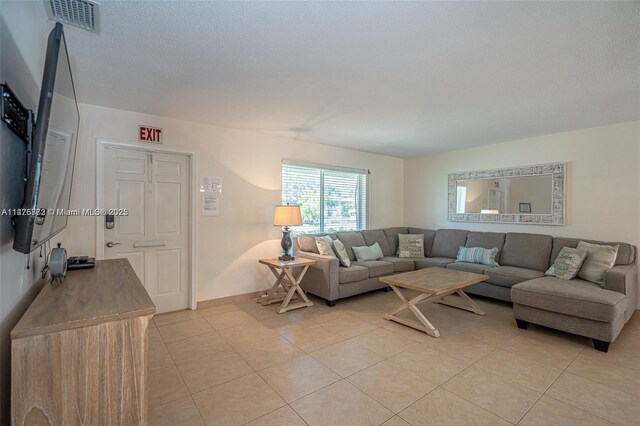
287,216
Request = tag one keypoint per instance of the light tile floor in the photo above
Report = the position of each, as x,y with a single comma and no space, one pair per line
242,363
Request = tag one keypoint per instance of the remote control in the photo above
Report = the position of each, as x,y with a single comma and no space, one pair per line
80,262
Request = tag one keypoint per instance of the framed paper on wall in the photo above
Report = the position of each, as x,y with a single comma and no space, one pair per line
524,207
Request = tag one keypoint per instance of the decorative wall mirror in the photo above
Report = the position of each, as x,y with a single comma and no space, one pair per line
532,195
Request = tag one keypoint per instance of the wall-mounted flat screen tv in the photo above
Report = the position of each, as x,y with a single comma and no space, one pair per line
50,172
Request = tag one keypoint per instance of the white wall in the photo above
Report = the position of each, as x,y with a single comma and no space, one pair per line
23,37
229,246
603,194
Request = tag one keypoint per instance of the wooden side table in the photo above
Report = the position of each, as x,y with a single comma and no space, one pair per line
283,272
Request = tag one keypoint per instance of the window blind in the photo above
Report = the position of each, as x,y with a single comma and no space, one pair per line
330,199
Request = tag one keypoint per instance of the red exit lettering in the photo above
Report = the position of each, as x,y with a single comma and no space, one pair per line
149,134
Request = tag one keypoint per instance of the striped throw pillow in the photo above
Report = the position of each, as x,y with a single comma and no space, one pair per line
479,255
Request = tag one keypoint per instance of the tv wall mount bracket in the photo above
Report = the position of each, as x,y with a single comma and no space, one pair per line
18,118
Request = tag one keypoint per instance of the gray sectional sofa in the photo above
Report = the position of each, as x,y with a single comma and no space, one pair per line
574,306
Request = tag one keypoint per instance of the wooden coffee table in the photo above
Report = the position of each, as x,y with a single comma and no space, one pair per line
433,284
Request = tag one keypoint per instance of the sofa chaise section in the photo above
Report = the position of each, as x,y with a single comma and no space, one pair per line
578,306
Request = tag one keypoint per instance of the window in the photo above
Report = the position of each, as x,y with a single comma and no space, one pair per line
331,199
461,199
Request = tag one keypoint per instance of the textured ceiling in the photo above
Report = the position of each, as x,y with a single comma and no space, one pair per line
394,78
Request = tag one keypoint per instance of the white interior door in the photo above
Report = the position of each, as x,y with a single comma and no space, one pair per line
154,188
497,200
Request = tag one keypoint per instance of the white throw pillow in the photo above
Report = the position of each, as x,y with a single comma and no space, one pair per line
341,252
325,246
410,245
599,259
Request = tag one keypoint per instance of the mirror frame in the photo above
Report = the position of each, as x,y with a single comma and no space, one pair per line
556,217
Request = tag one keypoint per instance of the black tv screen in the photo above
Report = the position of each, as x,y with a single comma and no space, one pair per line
48,186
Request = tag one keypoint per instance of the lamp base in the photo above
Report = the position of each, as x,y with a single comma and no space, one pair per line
286,244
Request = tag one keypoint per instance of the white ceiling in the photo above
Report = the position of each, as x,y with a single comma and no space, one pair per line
394,78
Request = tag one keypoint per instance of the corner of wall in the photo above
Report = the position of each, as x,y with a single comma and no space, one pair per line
22,46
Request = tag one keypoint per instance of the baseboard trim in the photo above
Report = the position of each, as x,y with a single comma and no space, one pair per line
203,304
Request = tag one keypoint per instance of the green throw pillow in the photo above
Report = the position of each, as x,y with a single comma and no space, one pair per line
567,264
480,255
599,259
373,252
341,252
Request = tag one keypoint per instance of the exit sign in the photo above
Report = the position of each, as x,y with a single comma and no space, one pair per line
149,134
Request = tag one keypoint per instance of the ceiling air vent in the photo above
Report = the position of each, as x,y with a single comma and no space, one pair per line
79,13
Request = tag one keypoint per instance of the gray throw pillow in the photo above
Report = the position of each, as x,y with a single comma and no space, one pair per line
341,253
364,253
567,264
599,259
410,245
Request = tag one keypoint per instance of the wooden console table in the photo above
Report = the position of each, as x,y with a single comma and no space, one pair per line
79,353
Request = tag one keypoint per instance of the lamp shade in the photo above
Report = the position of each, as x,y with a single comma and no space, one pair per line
287,216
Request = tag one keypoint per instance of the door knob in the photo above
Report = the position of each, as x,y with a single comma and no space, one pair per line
111,244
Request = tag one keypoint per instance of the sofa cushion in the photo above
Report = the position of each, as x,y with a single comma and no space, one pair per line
508,276
392,238
530,251
429,236
351,239
352,274
378,236
476,268
430,262
377,268
626,252
401,264
576,297
448,241
487,240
